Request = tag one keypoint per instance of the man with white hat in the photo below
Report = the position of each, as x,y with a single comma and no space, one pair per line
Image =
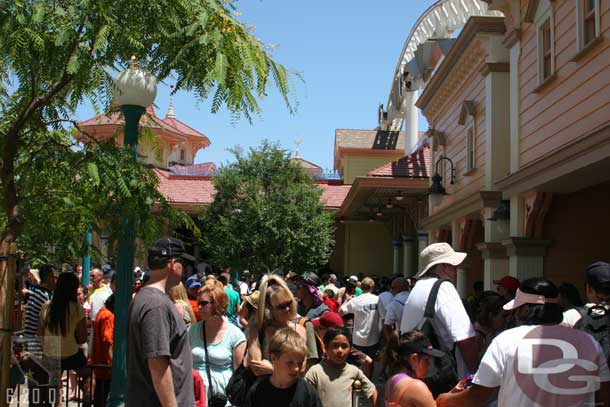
451,323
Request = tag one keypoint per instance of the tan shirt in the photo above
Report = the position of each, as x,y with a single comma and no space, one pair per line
335,384
54,344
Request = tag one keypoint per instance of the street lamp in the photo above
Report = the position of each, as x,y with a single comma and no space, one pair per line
436,190
134,90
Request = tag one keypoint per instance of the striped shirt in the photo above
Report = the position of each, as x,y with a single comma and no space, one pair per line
38,297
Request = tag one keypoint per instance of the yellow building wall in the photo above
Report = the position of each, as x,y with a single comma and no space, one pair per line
360,165
368,249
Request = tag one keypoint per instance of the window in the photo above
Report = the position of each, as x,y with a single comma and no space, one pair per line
182,154
470,144
546,46
587,22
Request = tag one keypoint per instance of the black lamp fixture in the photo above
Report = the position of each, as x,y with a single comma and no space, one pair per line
436,190
389,205
502,212
399,196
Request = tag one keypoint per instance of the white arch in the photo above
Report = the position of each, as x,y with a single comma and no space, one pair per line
439,21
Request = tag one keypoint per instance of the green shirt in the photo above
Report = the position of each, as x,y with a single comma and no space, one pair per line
234,301
357,291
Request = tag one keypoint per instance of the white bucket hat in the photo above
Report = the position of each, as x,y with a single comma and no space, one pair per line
439,253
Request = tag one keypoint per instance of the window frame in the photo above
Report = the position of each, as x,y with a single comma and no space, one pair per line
581,23
182,154
471,143
545,18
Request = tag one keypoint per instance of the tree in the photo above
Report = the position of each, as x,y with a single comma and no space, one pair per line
266,215
55,55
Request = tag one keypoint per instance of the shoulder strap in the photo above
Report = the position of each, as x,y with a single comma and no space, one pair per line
207,358
402,390
430,311
303,321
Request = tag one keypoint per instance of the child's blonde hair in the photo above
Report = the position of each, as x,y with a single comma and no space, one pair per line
287,340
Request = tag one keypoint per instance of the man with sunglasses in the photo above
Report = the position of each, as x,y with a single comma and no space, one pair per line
159,358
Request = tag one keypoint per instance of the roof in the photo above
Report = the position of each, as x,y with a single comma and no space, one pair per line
334,195
414,165
372,139
201,170
150,120
197,191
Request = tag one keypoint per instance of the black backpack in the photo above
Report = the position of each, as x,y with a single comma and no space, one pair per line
442,374
596,322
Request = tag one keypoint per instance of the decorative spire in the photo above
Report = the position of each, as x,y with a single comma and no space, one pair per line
170,110
296,152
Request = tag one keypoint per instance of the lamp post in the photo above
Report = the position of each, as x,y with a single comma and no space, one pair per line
134,90
436,190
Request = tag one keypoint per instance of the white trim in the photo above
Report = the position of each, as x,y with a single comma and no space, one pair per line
580,23
541,18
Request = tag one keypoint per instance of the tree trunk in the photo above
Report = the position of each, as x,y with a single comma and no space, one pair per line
7,299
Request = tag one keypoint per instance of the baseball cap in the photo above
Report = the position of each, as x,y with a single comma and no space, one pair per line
508,282
193,284
353,279
170,247
597,275
422,345
327,320
310,278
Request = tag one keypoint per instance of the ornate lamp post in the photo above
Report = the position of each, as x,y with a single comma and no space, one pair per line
134,90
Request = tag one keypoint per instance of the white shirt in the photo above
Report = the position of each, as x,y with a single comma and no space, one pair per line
397,306
243,288
451,322
572,316
97,301
385,298
512,356
366,318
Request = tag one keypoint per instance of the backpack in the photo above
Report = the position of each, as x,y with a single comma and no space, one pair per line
442,374
319,342
596,322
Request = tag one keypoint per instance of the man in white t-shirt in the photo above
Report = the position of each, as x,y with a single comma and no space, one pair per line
451,322
366,318
538,363
385,298
393,317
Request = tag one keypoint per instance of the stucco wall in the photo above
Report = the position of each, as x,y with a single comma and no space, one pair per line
368,249
360,165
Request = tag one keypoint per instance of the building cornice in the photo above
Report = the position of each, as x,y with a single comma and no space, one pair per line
489,67
475,25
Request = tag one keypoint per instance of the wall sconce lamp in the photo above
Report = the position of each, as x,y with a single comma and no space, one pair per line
389,205
502,212
399,196
436,190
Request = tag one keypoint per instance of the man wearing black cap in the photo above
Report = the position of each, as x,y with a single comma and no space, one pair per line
311,304
597,288
159,359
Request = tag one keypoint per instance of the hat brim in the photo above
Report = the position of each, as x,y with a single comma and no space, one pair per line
248,299
187,257
511,305
455,259
435,353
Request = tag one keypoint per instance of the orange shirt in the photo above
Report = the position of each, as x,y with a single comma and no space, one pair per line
103,330
195,307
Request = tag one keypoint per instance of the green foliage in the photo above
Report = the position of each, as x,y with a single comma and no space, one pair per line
267,214
65,189
57,55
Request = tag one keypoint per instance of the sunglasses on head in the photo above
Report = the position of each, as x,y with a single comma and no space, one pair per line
283,306
204,303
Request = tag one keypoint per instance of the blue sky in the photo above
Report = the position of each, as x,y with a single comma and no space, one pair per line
346,52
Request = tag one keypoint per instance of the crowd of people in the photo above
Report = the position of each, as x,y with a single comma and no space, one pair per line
313,339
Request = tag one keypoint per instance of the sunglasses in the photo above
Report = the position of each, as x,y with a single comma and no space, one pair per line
204,303
283,306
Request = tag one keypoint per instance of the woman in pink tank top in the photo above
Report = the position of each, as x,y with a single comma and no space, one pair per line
409,359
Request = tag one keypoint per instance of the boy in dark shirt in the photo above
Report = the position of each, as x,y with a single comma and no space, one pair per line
285,386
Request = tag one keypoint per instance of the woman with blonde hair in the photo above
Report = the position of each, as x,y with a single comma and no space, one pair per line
181,300
217,345
277,309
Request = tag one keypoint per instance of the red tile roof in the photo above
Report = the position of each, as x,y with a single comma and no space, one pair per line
334,195
189,190
415,165
198,191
